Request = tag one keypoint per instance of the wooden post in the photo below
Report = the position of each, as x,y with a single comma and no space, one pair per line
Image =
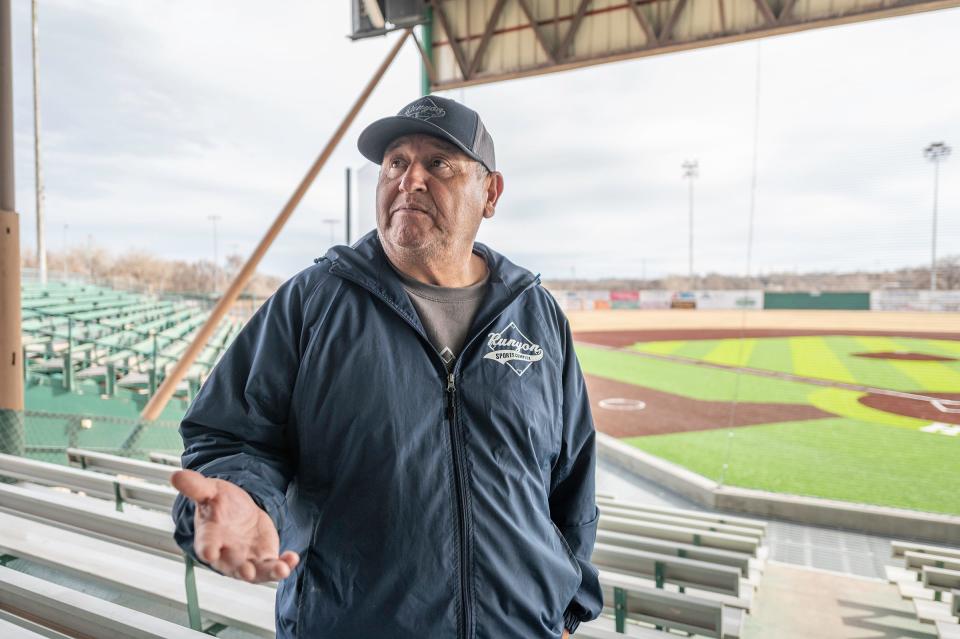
11,348
157,402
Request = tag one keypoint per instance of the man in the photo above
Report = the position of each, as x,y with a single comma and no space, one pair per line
407,418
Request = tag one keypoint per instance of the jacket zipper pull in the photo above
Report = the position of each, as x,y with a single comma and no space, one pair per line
450,389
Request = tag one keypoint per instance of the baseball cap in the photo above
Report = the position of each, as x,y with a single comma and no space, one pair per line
436,116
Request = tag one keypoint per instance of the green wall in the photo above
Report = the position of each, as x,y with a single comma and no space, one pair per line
835,301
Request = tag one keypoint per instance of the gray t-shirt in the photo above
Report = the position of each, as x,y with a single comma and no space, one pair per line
445,312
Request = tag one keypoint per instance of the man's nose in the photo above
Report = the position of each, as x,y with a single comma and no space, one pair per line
414,178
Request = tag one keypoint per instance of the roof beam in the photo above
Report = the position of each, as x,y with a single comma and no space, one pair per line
452,38
766,11
427,62
667,32
564,50
485,40
644,23
786,10
536,31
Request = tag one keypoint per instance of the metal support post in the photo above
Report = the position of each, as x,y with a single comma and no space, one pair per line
118,496
620,609
68,358
193,602
110,383
154,374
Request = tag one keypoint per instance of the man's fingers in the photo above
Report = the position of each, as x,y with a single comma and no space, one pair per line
194,485
290,558
271,570
247,571
206,551
279,571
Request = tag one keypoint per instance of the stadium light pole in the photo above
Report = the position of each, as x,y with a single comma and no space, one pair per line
936,152
691,171
216,267
37,168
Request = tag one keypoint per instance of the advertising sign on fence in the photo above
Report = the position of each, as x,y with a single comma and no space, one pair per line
730,299
915,300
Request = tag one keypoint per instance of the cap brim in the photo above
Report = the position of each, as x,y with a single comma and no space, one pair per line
375,139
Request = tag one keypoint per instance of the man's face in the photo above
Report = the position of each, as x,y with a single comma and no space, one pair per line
431,196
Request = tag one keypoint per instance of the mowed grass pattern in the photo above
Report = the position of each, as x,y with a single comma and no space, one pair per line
831,458
830,357
861,455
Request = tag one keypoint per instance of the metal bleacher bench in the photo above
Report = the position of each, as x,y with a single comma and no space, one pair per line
599,629
677,571
716,518
32,608
10,631
631,598
739,560
898,548
930,578
99,485
115,464
947,629
638,556
224,601
940,580
686,522
679,533
163,458
150,531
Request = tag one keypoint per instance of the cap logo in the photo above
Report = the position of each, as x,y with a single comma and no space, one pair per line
424,110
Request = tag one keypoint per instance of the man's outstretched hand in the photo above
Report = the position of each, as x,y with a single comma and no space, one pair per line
231,533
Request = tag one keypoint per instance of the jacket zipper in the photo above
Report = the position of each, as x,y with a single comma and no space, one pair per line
461,485
456,442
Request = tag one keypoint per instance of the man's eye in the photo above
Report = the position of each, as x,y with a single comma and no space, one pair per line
438,163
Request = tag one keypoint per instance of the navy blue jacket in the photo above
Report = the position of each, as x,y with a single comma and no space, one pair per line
423,505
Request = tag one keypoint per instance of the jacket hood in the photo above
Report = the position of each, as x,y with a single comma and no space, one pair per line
367,264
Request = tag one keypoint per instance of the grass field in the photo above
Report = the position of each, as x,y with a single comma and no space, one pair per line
858,453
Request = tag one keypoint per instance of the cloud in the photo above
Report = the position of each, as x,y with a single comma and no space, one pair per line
158,114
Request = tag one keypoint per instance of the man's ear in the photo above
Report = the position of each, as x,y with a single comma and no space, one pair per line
493,192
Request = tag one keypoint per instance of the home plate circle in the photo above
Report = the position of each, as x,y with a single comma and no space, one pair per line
621,403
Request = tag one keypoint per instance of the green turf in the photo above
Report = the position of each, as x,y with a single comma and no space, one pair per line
830,357
862,454
833,458
689,380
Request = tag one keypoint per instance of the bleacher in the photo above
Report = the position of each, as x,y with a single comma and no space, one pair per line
84,332
104,520
92,353
929,576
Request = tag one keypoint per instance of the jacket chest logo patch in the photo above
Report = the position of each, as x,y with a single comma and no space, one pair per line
511,347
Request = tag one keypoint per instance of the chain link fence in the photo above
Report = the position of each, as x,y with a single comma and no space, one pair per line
45,435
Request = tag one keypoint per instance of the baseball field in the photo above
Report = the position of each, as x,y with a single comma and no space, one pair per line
858,406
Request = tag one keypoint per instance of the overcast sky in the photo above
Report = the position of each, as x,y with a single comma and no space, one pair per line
156,115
